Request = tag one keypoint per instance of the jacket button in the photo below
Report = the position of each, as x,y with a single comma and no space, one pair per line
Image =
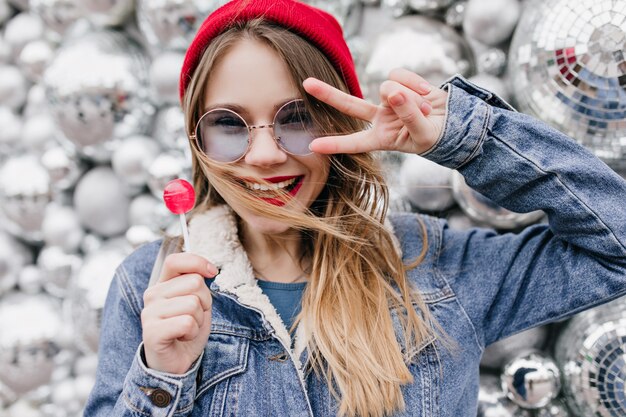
159,397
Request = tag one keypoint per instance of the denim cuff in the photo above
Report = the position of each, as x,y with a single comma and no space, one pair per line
467,119
159,394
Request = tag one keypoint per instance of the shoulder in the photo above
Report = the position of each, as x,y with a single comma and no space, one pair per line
419,236
415,231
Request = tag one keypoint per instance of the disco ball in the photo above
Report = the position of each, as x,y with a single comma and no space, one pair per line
345,11
5,11
97,88
58,15
420,44
591,353
164,77
24,192
22,29
426,184
532,381
568,68
498,354
29,329
172,24
170,131
101,202
58,267
88,291
132,159
492,401
429,5
490,22
11,132
35,58
484,210
107,12
13,87
14,256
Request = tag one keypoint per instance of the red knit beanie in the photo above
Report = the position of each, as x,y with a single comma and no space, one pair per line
315,25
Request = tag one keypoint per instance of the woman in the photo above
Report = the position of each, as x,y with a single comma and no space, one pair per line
298,294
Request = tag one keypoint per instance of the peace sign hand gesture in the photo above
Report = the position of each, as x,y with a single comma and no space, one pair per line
409,118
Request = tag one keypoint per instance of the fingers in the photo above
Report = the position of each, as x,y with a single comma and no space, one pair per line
410,107
345,103
180,327
180,306
435,96
353,143
410,80
188,284
186,263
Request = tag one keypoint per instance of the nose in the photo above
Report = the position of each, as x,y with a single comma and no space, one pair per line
264,151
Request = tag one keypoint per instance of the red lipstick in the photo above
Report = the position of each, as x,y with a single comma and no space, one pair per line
279,179
292,193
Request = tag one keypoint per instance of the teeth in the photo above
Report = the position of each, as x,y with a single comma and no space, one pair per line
269,187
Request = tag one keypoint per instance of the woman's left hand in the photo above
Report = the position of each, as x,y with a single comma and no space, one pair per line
409,118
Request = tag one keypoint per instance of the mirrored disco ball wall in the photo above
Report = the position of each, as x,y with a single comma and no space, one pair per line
92,131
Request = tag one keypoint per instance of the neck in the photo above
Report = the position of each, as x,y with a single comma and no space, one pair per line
275,258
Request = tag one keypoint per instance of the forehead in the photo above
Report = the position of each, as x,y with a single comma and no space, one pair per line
252,75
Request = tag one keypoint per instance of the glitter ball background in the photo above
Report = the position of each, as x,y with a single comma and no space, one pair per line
567,67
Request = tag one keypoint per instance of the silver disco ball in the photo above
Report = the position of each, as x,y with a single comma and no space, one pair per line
88,291
97,88
532,381
498,354
420,44
492,401
172,24
108,12
14,257
568,68
58,15
591,353
484,210
29,331
25,192
345,11
429,5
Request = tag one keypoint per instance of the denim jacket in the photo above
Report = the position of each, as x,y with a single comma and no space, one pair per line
480,286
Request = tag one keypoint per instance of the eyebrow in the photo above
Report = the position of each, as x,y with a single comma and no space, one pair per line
241,109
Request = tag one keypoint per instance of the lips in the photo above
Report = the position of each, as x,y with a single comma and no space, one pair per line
292,190
280,179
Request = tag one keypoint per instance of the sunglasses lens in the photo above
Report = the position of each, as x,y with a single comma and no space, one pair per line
223,135
294,128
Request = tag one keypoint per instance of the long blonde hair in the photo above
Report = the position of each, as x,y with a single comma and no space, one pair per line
356,274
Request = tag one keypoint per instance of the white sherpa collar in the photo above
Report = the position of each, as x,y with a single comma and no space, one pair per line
213,235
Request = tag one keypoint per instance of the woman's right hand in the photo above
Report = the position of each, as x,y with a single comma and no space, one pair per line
176,318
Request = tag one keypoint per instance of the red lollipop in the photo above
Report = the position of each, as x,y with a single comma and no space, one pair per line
179,198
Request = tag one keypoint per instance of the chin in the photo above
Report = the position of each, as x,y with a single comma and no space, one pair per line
263,224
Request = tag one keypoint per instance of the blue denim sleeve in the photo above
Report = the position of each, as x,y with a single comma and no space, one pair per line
124,385
510,282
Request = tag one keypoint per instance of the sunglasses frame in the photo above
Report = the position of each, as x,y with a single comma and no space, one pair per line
196,137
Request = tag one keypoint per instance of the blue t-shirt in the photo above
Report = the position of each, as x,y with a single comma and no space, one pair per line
286,298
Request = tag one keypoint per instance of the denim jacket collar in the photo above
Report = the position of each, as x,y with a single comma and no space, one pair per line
213,235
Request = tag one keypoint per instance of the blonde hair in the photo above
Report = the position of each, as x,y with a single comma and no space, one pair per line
356,274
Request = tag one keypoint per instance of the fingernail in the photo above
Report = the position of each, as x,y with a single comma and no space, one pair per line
426,87
396,100
213,270
426,108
